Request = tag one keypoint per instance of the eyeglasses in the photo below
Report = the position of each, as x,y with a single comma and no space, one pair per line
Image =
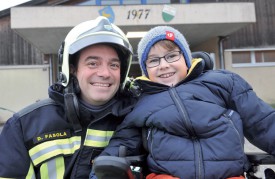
169,58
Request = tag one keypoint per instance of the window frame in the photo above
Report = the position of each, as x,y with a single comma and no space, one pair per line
253,62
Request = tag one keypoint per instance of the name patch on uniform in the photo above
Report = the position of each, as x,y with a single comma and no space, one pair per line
52,136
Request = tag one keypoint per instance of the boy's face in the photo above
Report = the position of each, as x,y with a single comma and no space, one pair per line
98,74
166,73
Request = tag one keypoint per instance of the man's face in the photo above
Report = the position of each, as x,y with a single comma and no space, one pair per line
98,74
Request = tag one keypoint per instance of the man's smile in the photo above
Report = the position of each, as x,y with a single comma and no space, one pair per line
101,84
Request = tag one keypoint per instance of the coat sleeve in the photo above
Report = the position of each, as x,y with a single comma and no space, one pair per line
258,117
14,157
128,136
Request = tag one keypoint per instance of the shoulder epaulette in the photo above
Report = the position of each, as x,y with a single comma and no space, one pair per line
35,106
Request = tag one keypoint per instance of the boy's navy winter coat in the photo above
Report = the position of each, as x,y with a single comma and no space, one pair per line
196,129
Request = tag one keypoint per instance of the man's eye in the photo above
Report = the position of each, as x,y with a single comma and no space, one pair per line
115,65
92,64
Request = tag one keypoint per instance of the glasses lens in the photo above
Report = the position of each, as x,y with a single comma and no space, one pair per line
152,62
172,57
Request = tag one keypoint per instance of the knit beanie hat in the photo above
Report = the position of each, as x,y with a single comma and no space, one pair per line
162,33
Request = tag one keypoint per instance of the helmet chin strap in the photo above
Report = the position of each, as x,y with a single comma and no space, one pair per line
71,104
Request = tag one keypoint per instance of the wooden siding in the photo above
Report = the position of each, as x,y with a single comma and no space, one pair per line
14,50
260,34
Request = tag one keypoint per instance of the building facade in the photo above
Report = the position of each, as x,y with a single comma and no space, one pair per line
238,34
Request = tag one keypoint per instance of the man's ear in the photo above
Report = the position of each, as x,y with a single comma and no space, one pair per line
72,69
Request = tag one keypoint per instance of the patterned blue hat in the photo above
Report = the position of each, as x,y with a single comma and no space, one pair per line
162,33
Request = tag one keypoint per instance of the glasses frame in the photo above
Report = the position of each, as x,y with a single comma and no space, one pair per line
165,58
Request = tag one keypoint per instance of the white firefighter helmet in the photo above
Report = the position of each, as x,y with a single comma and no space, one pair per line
92,32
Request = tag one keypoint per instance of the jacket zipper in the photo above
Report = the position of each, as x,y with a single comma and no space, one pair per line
83,138
228,116
150,135
187,123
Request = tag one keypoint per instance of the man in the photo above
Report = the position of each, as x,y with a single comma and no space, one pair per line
59,137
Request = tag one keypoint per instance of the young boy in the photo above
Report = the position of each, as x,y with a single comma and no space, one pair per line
196,120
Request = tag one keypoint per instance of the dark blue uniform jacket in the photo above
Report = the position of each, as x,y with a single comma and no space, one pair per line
40,142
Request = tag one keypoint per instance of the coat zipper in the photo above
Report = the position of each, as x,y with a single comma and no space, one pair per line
187,123
228,116
150,135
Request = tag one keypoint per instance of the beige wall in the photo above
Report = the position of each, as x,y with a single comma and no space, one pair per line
210,46
21,86
262,79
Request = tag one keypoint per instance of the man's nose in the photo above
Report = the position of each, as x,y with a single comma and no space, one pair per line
103,71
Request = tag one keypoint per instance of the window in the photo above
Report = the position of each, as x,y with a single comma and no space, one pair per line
131,2
158,2
265,56
110,2
87,3
240,57
253,57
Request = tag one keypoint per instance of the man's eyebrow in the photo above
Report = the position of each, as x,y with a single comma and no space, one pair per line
92,58
115,59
